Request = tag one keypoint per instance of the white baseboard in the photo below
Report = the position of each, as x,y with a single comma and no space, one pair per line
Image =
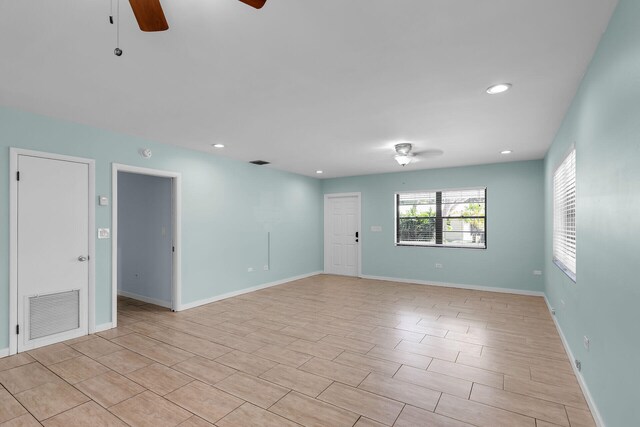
103,327
4,352
583,385
154,301
458,285
245,291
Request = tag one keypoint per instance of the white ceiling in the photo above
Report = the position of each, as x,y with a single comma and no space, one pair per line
306,85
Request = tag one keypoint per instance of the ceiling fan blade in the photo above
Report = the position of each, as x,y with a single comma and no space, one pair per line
149,15
254,3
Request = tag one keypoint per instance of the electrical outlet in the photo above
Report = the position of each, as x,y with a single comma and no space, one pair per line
587,342
553,311
578,365
249,270
265,268
438,265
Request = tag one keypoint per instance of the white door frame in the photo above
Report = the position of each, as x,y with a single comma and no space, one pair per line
326,227
176,209
13,237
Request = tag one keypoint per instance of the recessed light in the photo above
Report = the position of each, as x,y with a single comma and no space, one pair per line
319,172
218,145
506,152
499,88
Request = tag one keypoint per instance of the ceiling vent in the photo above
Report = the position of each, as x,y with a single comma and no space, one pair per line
259,162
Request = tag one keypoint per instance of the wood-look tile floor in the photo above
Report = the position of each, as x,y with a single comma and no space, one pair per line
323,351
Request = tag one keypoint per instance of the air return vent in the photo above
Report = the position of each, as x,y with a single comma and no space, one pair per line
259,162
53,313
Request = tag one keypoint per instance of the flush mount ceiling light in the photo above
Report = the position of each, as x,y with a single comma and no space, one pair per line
218,145
404,153
506,152
499,88
319,172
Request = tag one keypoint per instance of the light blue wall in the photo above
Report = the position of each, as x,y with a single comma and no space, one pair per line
145,236
227,208
514,224
604,124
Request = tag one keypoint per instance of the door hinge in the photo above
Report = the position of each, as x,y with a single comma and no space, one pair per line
17,329
18,176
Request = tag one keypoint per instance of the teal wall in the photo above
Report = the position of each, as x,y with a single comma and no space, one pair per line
514,224
227,207
604,124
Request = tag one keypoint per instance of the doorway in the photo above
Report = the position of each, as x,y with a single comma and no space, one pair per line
146,236
51,249
342,234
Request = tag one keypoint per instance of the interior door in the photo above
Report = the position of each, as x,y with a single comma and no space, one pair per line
342,228
52,250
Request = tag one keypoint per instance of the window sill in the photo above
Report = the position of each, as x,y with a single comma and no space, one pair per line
413,245
565,270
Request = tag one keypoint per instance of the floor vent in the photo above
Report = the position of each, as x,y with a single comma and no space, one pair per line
259,162
54,313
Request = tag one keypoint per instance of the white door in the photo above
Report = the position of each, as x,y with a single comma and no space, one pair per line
342,234
52,250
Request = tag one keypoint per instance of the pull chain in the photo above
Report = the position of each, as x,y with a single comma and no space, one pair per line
117,51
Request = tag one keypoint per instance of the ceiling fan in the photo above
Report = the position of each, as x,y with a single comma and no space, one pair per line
405,155
150,16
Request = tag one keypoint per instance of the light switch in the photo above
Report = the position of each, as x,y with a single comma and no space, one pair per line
103,233
103,201
376,228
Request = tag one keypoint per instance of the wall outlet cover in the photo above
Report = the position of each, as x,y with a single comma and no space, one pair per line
104,233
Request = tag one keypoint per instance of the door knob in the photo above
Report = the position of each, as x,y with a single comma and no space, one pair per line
82,258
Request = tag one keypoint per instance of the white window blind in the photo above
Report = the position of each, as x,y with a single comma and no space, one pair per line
564,215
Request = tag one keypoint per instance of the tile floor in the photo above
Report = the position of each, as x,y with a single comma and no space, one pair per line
323,351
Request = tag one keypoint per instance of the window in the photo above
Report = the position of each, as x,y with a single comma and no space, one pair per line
451,218
564,215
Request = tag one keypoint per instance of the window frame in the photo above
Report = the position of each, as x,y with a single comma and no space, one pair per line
438,216
559,263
